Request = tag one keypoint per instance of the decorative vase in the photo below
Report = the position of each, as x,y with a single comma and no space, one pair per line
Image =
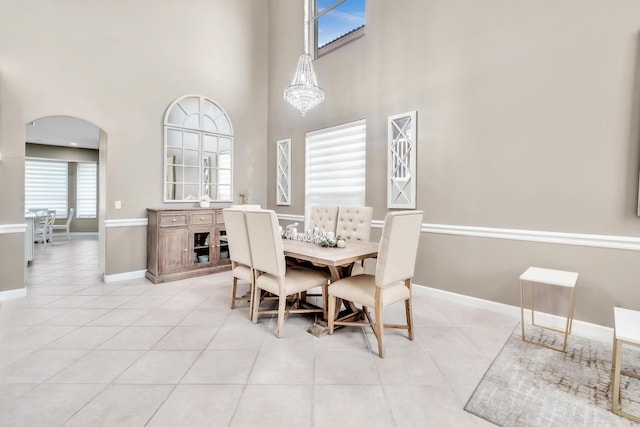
204,204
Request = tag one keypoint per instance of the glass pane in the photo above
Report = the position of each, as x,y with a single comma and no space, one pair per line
174,156
191,158
224,176
191,105
190,192
223,125
224,161
179,174
208,124
209,143
191,140
225,145
191,175
212,110
224,192
176,115
340,21
174,138
192,121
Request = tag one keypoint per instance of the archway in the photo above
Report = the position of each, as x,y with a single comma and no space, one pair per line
75,147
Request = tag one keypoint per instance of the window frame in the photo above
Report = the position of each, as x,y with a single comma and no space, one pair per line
204,170
347,38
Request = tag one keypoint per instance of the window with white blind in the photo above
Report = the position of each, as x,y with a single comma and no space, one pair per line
46,185
336,166
87,190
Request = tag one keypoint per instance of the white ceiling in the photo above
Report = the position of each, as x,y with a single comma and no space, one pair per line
64,131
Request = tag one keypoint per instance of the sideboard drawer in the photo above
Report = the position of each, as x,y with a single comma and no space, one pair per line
201,218
169,219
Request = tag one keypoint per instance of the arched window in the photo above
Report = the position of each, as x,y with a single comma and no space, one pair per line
198,151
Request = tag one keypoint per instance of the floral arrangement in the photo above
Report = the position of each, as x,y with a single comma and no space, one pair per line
204,201
327,243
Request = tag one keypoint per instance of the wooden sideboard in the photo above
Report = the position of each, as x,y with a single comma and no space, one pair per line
183,243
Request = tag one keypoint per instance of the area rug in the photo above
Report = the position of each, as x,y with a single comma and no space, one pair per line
529,385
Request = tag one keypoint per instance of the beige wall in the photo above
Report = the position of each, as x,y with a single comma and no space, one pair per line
119,65
527,119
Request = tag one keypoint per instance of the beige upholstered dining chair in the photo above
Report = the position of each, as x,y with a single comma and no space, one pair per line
239,253
271,272
354,223
323,217
391,283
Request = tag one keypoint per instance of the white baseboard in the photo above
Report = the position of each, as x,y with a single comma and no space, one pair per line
129,275
13,294
584,329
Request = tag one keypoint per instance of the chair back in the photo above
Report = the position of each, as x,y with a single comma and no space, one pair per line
354,223
398,247
323,217
267,252
50,219
237,236
70,217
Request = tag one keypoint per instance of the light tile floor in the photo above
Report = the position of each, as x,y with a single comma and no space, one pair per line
79,352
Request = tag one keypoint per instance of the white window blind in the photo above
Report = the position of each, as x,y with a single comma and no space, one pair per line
336,166
45,185
86,190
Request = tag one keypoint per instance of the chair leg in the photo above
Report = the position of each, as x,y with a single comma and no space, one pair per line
234,287
330,311
379,326
256,305
409,313
407,306
282,305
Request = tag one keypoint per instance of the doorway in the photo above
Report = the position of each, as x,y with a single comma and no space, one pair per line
73,147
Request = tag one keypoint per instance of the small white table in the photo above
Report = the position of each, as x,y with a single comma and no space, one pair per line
626,330
565,279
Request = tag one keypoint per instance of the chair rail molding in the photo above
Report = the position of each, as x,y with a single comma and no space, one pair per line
130,222
576,239
13,228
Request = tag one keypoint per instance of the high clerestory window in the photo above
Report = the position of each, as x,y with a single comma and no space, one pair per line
335,23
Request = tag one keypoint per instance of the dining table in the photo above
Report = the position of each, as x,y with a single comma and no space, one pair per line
339,262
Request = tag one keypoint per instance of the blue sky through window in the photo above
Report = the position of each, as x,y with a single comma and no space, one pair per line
343,19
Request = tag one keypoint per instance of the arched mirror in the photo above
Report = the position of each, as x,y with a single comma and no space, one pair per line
198,151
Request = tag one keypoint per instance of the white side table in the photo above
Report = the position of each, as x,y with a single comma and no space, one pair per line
565,279
625,331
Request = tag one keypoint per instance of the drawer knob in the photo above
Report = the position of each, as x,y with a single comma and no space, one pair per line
201,218
174,220
185,249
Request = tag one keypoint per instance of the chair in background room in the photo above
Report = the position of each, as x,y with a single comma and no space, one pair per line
391,283
239,252
324,218
44,221
271,272
66,226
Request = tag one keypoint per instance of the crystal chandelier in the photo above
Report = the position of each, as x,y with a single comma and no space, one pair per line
303,92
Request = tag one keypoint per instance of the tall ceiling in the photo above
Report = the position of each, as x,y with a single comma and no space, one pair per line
63,131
